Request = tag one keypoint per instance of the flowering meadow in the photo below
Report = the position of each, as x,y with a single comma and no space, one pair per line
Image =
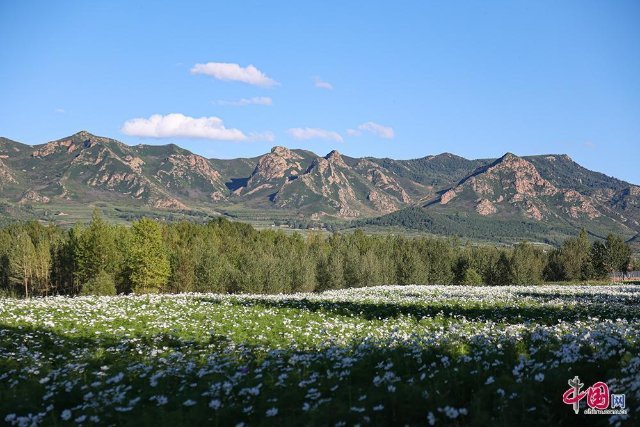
389,355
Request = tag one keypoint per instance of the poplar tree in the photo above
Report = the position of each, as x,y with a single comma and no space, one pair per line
96,250
21,262
147,260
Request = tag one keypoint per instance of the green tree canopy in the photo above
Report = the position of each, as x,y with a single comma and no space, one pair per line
147,260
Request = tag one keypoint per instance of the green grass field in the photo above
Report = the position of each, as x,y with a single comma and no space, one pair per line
416,355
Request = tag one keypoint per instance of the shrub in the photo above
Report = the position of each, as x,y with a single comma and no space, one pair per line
101,284
472,277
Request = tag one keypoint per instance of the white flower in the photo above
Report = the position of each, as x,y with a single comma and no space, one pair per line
431,419
272,412
490,380
66,415
539,377
215,404
189,402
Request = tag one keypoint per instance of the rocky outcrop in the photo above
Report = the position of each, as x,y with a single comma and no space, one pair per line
485,207
521,175
448,195
80,140
186,168
335,158
135,163
169,203
31,196
579,205
279,163
384,181
335,188
6,176
55,146
382,202
516,182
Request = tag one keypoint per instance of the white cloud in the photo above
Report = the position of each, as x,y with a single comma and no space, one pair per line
374,128
256,100
178,125
234,72
314,133
318,82
59,111
262,136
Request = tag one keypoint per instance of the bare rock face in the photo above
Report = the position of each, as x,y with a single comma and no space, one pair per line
217,196
31,196
448,196
375,175
582,205
481,186
525,177
6,177
169,203
515,181
76,142
334,157
347,197
332,181
55,146
382,202
136,184
135,163
485,207
185,166
532,211
280,162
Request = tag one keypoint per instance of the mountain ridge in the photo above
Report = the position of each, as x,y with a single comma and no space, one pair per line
86,169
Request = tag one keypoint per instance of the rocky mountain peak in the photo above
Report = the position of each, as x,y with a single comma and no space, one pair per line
336,158
83,134
70,144
513,181
285,153
277,164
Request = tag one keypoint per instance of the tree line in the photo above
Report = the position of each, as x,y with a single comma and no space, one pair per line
233,257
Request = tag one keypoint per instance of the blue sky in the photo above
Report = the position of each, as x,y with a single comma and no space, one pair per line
398,79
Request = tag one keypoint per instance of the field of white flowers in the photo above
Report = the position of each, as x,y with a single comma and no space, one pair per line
417,355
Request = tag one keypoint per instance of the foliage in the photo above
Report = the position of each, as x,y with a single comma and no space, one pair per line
100,284
472,277
233,257
572,261
147,262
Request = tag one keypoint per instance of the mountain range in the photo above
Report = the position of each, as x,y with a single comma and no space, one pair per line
544,198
